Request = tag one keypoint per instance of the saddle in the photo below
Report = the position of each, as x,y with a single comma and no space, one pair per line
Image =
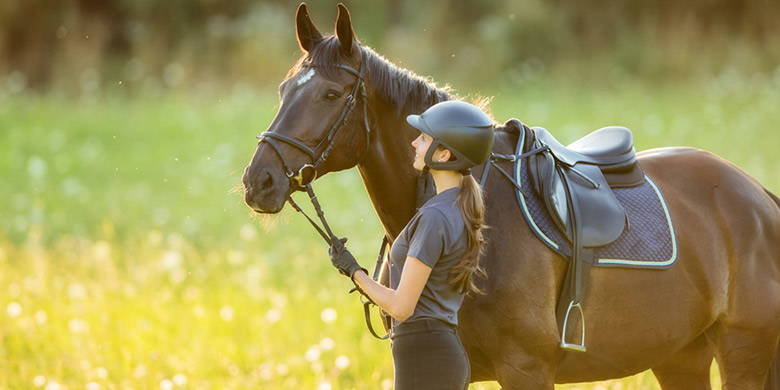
575,184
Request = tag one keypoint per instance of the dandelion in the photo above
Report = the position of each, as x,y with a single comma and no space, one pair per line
171,259
327,344
265,372
139,371
328,315
199,311
312,354
247,232
179,379
273,315
77,325
235,257
41,317
102,250
93,386
101,373
282,369
39,381
324,386
342,362
226,313
387,384
53,386
77,291
166,384
14,309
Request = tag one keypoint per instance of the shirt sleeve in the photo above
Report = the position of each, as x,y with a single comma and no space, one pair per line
427,240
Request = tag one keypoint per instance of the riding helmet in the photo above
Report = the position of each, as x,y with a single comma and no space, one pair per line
462,128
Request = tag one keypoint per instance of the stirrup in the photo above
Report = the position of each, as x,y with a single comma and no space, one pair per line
571,346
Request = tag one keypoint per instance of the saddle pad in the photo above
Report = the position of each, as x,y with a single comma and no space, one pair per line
648,242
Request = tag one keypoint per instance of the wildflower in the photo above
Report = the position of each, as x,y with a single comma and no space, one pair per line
312,354
342,362
273,315
93,386
328,315
77,325
179,379
14,309
41,317
324,386
39,381
327,344
226,313
166,384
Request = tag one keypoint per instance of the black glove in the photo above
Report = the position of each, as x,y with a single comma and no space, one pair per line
342,259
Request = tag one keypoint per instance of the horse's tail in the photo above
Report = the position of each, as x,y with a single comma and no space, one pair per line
773,377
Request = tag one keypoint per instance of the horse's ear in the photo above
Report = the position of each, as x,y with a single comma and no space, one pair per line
344,30
305,31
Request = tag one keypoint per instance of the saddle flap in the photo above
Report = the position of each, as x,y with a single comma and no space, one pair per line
601,217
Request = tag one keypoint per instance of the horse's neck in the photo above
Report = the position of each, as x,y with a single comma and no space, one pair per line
387,170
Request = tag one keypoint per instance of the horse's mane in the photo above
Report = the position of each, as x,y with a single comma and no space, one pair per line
408,92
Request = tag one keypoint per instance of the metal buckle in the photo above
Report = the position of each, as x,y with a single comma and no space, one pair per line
571,346
305,175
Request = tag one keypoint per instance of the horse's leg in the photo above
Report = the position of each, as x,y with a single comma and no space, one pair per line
688,369
522,371
744,356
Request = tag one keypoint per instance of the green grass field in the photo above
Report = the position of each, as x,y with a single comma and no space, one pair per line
128,259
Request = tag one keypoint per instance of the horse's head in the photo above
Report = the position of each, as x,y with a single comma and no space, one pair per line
322,123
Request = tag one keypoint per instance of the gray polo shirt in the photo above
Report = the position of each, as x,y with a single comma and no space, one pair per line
435,235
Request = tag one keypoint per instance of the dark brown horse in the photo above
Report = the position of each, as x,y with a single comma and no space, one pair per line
721,300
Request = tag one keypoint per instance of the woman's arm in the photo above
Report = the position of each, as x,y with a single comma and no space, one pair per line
398,303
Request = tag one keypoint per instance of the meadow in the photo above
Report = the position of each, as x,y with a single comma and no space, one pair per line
128,259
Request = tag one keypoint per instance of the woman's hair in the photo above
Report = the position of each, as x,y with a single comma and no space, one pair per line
472,205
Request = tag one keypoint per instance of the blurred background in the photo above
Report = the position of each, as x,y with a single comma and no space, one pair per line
127,256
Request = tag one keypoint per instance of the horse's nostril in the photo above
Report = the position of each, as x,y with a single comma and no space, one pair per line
266,180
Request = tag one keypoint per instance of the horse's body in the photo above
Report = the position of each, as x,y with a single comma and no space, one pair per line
720,299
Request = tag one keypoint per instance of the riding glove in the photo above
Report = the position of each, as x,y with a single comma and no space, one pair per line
342,259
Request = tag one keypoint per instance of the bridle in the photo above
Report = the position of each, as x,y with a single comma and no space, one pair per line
301,179
304,175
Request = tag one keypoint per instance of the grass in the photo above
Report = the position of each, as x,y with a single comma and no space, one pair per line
127,260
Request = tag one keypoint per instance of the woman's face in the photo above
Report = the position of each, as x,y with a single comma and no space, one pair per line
421,145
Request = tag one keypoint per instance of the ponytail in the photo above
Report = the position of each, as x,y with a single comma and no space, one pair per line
473,208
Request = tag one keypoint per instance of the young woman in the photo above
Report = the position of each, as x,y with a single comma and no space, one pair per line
435,257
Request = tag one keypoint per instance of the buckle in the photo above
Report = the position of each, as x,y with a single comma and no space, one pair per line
305,175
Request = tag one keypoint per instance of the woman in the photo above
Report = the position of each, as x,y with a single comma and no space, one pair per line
435,257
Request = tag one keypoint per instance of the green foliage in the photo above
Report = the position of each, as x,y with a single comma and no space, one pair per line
80,46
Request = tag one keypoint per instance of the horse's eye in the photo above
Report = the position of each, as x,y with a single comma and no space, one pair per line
332,95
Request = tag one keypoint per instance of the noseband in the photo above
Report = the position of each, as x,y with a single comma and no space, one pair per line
317,155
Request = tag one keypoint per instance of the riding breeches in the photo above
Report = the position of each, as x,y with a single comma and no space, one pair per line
429,356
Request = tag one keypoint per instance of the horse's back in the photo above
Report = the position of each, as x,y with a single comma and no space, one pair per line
728,229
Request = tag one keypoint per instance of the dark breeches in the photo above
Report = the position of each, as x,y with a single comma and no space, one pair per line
428,354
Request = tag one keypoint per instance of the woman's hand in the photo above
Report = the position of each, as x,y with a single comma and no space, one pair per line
342,259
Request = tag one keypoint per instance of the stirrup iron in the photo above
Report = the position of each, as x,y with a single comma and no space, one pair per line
572,346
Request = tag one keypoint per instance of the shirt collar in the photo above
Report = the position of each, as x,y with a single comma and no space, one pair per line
447,195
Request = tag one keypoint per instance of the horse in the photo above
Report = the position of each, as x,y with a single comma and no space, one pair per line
720,300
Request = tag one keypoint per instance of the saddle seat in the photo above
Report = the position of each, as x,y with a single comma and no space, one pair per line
610,148
576,182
